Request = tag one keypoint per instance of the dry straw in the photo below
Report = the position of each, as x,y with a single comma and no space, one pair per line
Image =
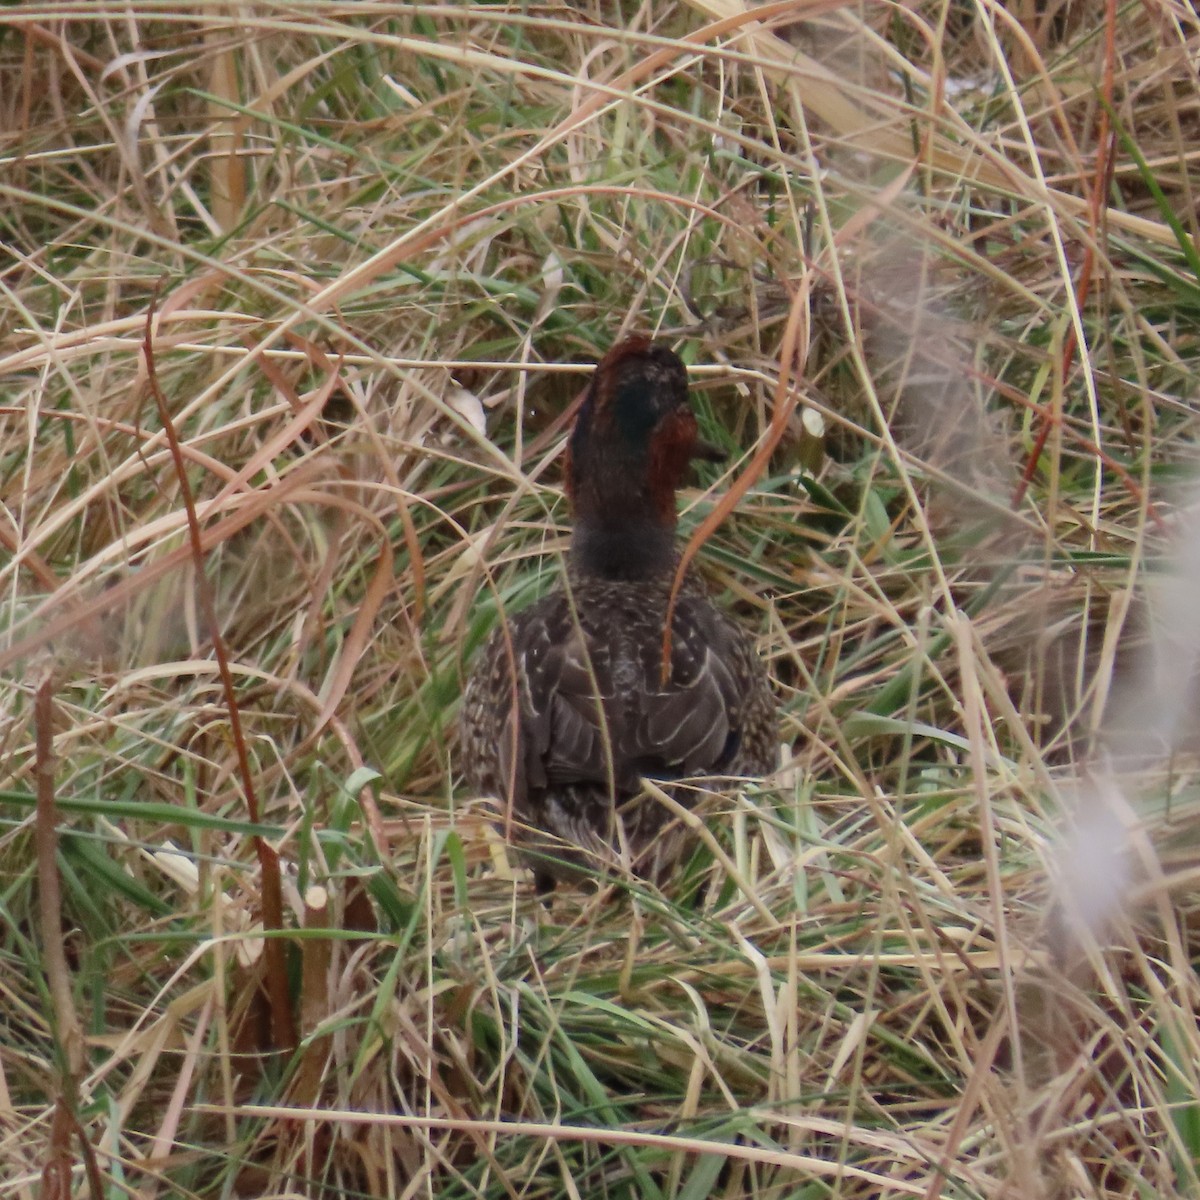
252,530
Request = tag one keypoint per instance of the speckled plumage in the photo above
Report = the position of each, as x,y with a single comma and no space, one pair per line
591,717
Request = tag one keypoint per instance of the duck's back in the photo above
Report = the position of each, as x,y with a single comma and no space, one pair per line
566,750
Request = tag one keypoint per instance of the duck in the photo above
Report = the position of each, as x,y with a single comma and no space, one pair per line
569,707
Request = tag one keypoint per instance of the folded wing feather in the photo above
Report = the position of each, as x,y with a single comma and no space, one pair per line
595,711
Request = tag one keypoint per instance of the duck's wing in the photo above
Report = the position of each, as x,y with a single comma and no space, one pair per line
690,723
592,707
562,736
596,708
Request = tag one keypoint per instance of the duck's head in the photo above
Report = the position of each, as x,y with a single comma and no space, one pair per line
635,435
628,453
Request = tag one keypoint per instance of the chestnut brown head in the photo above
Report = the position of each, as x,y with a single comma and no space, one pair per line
635,425
629,452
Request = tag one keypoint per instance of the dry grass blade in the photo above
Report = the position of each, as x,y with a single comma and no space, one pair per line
932,269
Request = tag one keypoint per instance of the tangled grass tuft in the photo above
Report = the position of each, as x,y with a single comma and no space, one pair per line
294,302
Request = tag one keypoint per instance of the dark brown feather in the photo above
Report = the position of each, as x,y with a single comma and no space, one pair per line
592,717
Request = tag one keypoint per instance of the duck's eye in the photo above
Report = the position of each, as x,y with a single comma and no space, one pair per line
636,407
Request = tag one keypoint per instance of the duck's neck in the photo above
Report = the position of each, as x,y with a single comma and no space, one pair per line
632,549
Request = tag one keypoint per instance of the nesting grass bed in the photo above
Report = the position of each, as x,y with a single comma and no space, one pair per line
294,302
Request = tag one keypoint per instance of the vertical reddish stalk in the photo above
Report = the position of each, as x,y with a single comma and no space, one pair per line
1105,145
283,1027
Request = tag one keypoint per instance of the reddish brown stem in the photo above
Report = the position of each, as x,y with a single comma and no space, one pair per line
784,404
1105,147
58,976
56,1172
283,1027
39,34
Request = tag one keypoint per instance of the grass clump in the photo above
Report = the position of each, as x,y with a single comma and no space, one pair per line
369,253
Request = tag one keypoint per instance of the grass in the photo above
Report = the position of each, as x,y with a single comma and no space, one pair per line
949,951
